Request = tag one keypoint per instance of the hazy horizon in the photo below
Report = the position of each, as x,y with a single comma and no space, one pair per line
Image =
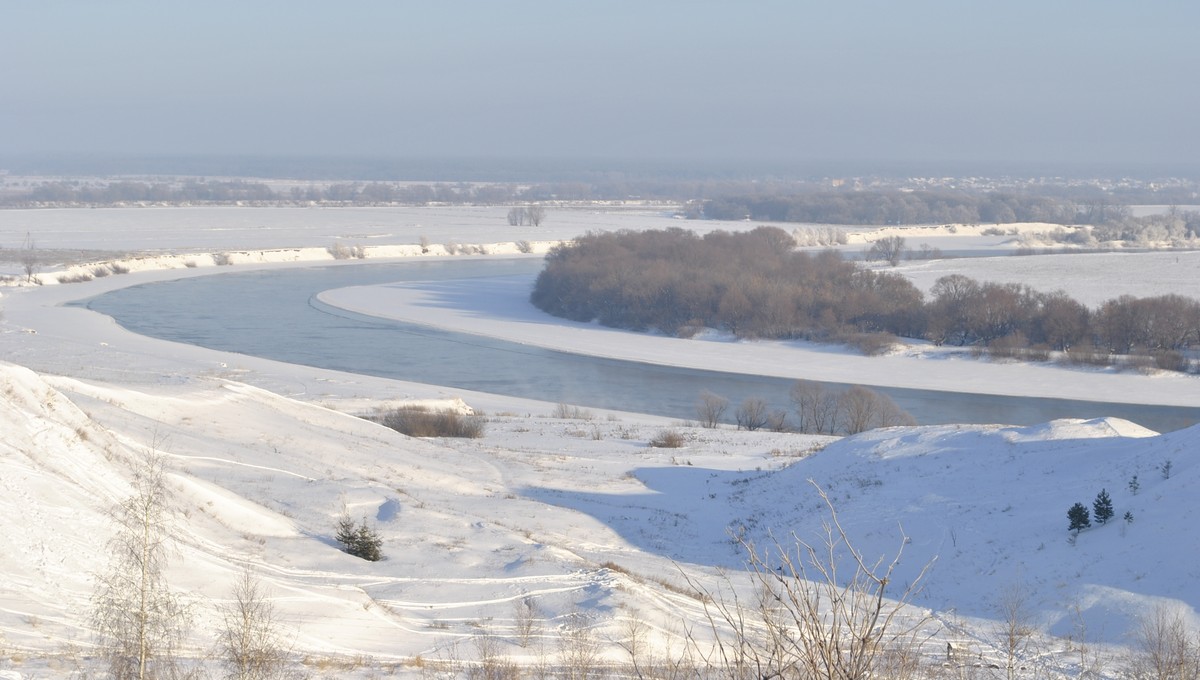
588,169
803,88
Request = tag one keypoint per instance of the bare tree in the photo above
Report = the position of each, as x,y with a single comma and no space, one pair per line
861,409
491,664
579,649
30,258
816,407
525,616
809,618
777,420
889,249
249,642
516,217
534,214
138,621
752,414
1014,629
710,407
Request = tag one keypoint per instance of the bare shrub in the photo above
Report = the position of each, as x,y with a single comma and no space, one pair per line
1170,360
78,277
118,268
419,421
1086,355
811,616
1011,346
872,344
1038,352
221,259
340,251
570,412
710,407
667,439
777,421
100,271
1139,362
524,247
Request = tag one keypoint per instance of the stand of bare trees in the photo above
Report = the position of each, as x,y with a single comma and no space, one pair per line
754,284
530,214
820,410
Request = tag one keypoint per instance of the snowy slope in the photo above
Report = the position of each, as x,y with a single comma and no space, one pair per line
580,515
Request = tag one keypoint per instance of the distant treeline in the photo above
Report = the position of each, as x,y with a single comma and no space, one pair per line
723,199
894,207
243,191
755,284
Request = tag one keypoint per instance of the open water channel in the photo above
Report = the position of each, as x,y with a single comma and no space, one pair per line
275,314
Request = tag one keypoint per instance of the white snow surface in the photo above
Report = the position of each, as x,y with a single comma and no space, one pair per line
579,514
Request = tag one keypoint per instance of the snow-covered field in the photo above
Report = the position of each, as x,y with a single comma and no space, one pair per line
579,516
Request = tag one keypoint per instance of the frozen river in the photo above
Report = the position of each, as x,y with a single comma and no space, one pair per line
274,314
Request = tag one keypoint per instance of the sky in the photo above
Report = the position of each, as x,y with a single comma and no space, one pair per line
927,82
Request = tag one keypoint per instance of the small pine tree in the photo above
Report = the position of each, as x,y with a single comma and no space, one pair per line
1102,507
368,545
1134,485
1080,518
1165,469
1128,517
361,541
346,532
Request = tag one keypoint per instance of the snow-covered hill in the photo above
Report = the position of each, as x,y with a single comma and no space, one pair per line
580,516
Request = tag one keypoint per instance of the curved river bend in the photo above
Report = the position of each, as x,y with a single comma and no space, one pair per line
274,314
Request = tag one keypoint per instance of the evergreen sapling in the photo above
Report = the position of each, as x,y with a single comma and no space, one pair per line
1080,518
1102,507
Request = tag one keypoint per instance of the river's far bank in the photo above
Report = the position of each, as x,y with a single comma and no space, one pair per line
499,308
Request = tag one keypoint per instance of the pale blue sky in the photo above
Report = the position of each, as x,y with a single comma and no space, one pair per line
1017,81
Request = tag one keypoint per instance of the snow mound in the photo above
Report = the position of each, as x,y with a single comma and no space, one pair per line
987,505
1075,428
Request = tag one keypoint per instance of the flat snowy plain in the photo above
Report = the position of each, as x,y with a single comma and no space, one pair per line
578,515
